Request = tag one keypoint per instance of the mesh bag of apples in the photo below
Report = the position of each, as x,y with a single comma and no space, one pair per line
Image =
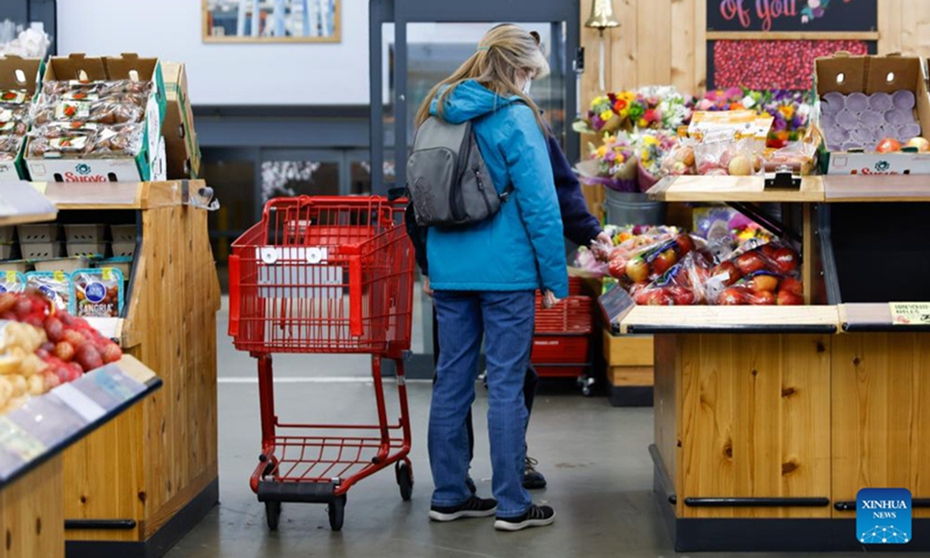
686,270
42,347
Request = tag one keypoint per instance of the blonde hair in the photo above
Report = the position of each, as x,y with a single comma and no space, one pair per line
503,51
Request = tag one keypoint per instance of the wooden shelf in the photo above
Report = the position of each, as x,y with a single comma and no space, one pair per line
115,195
20,203
771,319
733,189
885,188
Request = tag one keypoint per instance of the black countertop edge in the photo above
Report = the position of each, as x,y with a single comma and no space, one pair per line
151,386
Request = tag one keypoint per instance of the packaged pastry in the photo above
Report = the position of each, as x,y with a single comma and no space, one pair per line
104,111
93,90
97,293
86,140
9,147
14,96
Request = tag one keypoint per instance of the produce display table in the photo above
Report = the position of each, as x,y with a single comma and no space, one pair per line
769,420
159,475
32,516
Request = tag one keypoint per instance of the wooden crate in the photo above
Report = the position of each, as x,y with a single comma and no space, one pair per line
629,369
628,350
159,474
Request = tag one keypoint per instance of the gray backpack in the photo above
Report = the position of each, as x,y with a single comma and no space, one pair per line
448,181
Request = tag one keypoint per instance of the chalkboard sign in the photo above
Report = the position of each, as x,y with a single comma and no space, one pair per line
792,15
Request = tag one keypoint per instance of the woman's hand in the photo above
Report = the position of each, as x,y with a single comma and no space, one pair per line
549,300
426,288
601,246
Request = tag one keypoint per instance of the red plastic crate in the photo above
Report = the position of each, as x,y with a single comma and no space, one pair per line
560,349
574,314
576,286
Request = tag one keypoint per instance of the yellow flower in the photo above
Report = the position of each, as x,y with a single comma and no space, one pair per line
650,140
601,152
643,122
606,115
787,112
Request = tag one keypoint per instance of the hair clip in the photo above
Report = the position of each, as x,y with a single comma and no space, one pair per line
480,48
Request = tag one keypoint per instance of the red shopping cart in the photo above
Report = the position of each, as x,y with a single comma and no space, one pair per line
324,275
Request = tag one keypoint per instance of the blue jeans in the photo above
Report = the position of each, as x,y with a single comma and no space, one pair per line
505,320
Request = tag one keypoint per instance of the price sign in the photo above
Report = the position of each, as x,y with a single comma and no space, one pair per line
910,313
792,15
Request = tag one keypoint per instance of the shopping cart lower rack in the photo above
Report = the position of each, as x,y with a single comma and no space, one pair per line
325,275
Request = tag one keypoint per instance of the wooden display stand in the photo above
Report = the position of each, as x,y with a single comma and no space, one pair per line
137,485
31,515
769,420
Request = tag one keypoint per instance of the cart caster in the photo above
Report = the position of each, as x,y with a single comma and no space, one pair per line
273,514
404,479
587,385
337,512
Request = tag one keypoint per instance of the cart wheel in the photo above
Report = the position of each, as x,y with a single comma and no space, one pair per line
273,514
337,510
404,479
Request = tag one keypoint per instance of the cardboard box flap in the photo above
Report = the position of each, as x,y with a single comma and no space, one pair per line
892,73
19,73
131,66
868,74
76,66
842,73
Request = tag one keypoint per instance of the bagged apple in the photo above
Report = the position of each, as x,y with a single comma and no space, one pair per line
757,275
682,285
645,264
97,293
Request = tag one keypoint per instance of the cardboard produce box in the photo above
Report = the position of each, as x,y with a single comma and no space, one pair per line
17,73
872,74
182,148
143,167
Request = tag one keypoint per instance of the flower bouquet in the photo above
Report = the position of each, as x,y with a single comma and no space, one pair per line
612,164
650,107
650,147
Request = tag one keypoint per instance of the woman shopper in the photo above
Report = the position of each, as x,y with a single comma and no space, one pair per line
484,279
580,227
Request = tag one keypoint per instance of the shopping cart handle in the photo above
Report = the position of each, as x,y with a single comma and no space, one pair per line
355,296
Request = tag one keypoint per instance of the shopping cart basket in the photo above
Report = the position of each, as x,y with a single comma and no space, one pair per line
324,275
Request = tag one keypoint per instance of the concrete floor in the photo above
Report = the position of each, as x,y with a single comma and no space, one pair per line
594,456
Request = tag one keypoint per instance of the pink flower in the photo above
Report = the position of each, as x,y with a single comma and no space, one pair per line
705,104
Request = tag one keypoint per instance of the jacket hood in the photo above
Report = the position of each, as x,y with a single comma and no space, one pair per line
470,100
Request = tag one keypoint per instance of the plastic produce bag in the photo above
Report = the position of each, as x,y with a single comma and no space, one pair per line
761,275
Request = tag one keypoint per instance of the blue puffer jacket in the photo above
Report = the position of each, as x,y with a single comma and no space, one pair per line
520,248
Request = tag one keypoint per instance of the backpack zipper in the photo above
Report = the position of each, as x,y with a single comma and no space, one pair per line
484,193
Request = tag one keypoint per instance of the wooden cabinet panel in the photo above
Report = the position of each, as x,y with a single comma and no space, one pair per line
755,421
881,414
